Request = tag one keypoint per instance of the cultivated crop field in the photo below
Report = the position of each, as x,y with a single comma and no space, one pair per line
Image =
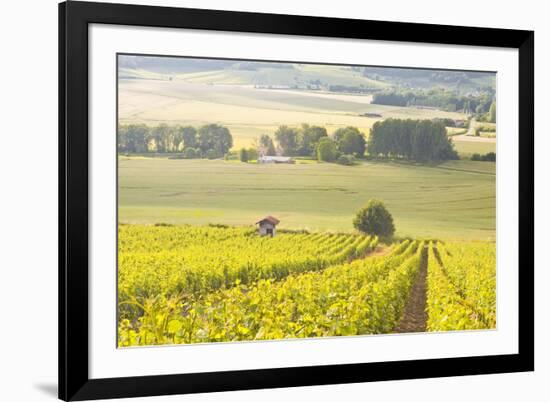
466,147
452,200
250,112
173,289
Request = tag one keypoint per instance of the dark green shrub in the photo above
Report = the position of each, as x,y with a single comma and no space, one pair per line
374,219
190,153
490,157
243,155
346,160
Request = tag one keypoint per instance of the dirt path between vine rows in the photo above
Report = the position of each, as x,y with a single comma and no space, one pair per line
414,315
380,251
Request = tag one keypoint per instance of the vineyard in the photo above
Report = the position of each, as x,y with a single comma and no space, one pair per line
187,284
461,287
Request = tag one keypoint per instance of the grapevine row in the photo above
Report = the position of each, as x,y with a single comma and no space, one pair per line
201,260
447,310
471,270
362,297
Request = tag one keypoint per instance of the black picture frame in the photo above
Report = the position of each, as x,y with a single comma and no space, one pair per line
74,18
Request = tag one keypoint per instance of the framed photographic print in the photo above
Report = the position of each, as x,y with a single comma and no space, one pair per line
258,200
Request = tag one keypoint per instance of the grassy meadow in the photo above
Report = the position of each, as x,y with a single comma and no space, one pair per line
452,200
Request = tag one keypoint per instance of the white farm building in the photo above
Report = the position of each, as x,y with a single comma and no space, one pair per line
275,159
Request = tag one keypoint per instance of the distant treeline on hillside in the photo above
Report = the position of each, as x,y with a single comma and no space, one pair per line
361,89
255,66
438,98
417,74
419,140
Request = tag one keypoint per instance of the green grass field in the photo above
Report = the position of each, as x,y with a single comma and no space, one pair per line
453,200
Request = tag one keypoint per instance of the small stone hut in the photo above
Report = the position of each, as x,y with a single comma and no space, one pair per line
266,226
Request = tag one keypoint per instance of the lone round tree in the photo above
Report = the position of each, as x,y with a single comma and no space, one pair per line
374,219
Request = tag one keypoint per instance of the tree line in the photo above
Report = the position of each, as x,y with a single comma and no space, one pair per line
479,104
419,140
211,140
309,141
305,140
344,145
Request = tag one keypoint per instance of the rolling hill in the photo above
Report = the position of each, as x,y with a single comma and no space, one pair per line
298,75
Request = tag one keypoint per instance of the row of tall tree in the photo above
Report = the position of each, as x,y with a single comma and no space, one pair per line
420,140
211,140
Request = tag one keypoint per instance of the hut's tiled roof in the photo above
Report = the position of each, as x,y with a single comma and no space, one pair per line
270,219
